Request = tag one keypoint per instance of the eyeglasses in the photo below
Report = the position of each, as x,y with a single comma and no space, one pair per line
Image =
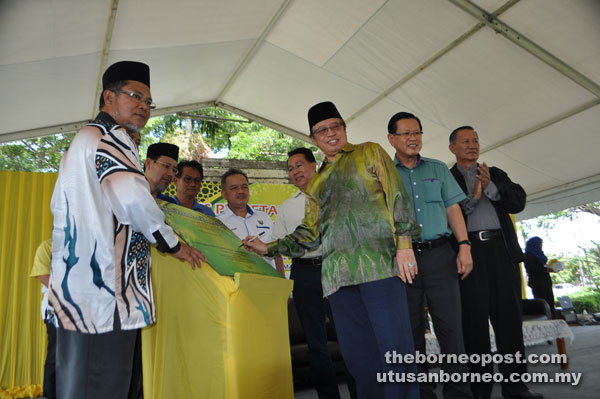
333,127
168,166
139,98
406,135
189,179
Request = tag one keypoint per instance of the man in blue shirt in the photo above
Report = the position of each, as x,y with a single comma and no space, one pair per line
435,199
188,181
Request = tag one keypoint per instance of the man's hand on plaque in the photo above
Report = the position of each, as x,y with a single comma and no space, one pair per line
191,255
254,244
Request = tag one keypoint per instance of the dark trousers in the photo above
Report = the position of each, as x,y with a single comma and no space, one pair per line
136,390
50,364
493,289
312,310
94,366
372,319
437,282
544,291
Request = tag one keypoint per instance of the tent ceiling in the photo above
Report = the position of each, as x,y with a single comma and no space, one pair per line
525,74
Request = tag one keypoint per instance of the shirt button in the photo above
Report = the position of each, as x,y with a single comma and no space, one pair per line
415,183
421,225
416,196
418,210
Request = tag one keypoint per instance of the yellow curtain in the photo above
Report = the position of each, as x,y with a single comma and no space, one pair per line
523,283
26,222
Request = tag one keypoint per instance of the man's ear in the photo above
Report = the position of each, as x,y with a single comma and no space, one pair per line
452,147
109,97
390,137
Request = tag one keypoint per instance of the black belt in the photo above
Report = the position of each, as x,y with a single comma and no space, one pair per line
427,245
485,235
317,260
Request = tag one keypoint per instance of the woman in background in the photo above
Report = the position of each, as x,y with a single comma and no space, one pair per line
539,272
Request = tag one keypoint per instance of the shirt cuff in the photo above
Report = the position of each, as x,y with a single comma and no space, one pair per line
163,245
491,191
272,248
403,242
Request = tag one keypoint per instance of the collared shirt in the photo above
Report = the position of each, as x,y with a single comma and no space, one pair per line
196,207
104,221
482,215
432,189
289,216
357,207
255,223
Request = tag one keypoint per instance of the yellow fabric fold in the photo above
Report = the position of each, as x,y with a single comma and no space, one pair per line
216,336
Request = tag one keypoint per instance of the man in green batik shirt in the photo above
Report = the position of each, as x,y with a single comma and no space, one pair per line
358,209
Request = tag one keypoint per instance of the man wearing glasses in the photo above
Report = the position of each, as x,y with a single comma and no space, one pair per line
188,181
358,209
104,222
435,197
494,288
161,167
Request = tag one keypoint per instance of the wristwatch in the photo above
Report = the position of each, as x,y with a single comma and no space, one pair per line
467,242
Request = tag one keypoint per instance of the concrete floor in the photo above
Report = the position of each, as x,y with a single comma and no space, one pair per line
584,357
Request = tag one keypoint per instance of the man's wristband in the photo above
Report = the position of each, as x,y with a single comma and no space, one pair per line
467,242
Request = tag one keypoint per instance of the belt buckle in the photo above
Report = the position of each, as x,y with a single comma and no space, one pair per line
423,245
481,234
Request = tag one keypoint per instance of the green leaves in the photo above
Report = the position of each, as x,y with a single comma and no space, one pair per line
200,133
41,154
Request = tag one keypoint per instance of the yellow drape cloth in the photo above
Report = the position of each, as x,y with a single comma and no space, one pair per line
523,284
216,336
25,221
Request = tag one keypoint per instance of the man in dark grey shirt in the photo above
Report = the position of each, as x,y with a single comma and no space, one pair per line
494,287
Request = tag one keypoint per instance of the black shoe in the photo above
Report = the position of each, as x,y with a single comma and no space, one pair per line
527,394
482,396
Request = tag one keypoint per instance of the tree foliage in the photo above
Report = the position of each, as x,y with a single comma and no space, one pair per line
227,134
548,221
210,131
41,154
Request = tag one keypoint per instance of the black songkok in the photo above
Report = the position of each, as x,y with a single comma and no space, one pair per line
126,70
158,149
320,112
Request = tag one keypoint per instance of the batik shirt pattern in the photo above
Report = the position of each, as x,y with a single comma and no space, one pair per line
104,221
358,208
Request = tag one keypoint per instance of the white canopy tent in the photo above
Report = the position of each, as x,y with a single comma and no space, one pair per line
525,74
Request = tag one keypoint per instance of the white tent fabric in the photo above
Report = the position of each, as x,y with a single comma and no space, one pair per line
525,74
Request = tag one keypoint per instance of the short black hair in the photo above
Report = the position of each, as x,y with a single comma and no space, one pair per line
114,87
231,172
189,164
308,154
452,138
400,116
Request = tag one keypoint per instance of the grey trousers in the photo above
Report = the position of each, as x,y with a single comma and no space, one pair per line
94,366
437,284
